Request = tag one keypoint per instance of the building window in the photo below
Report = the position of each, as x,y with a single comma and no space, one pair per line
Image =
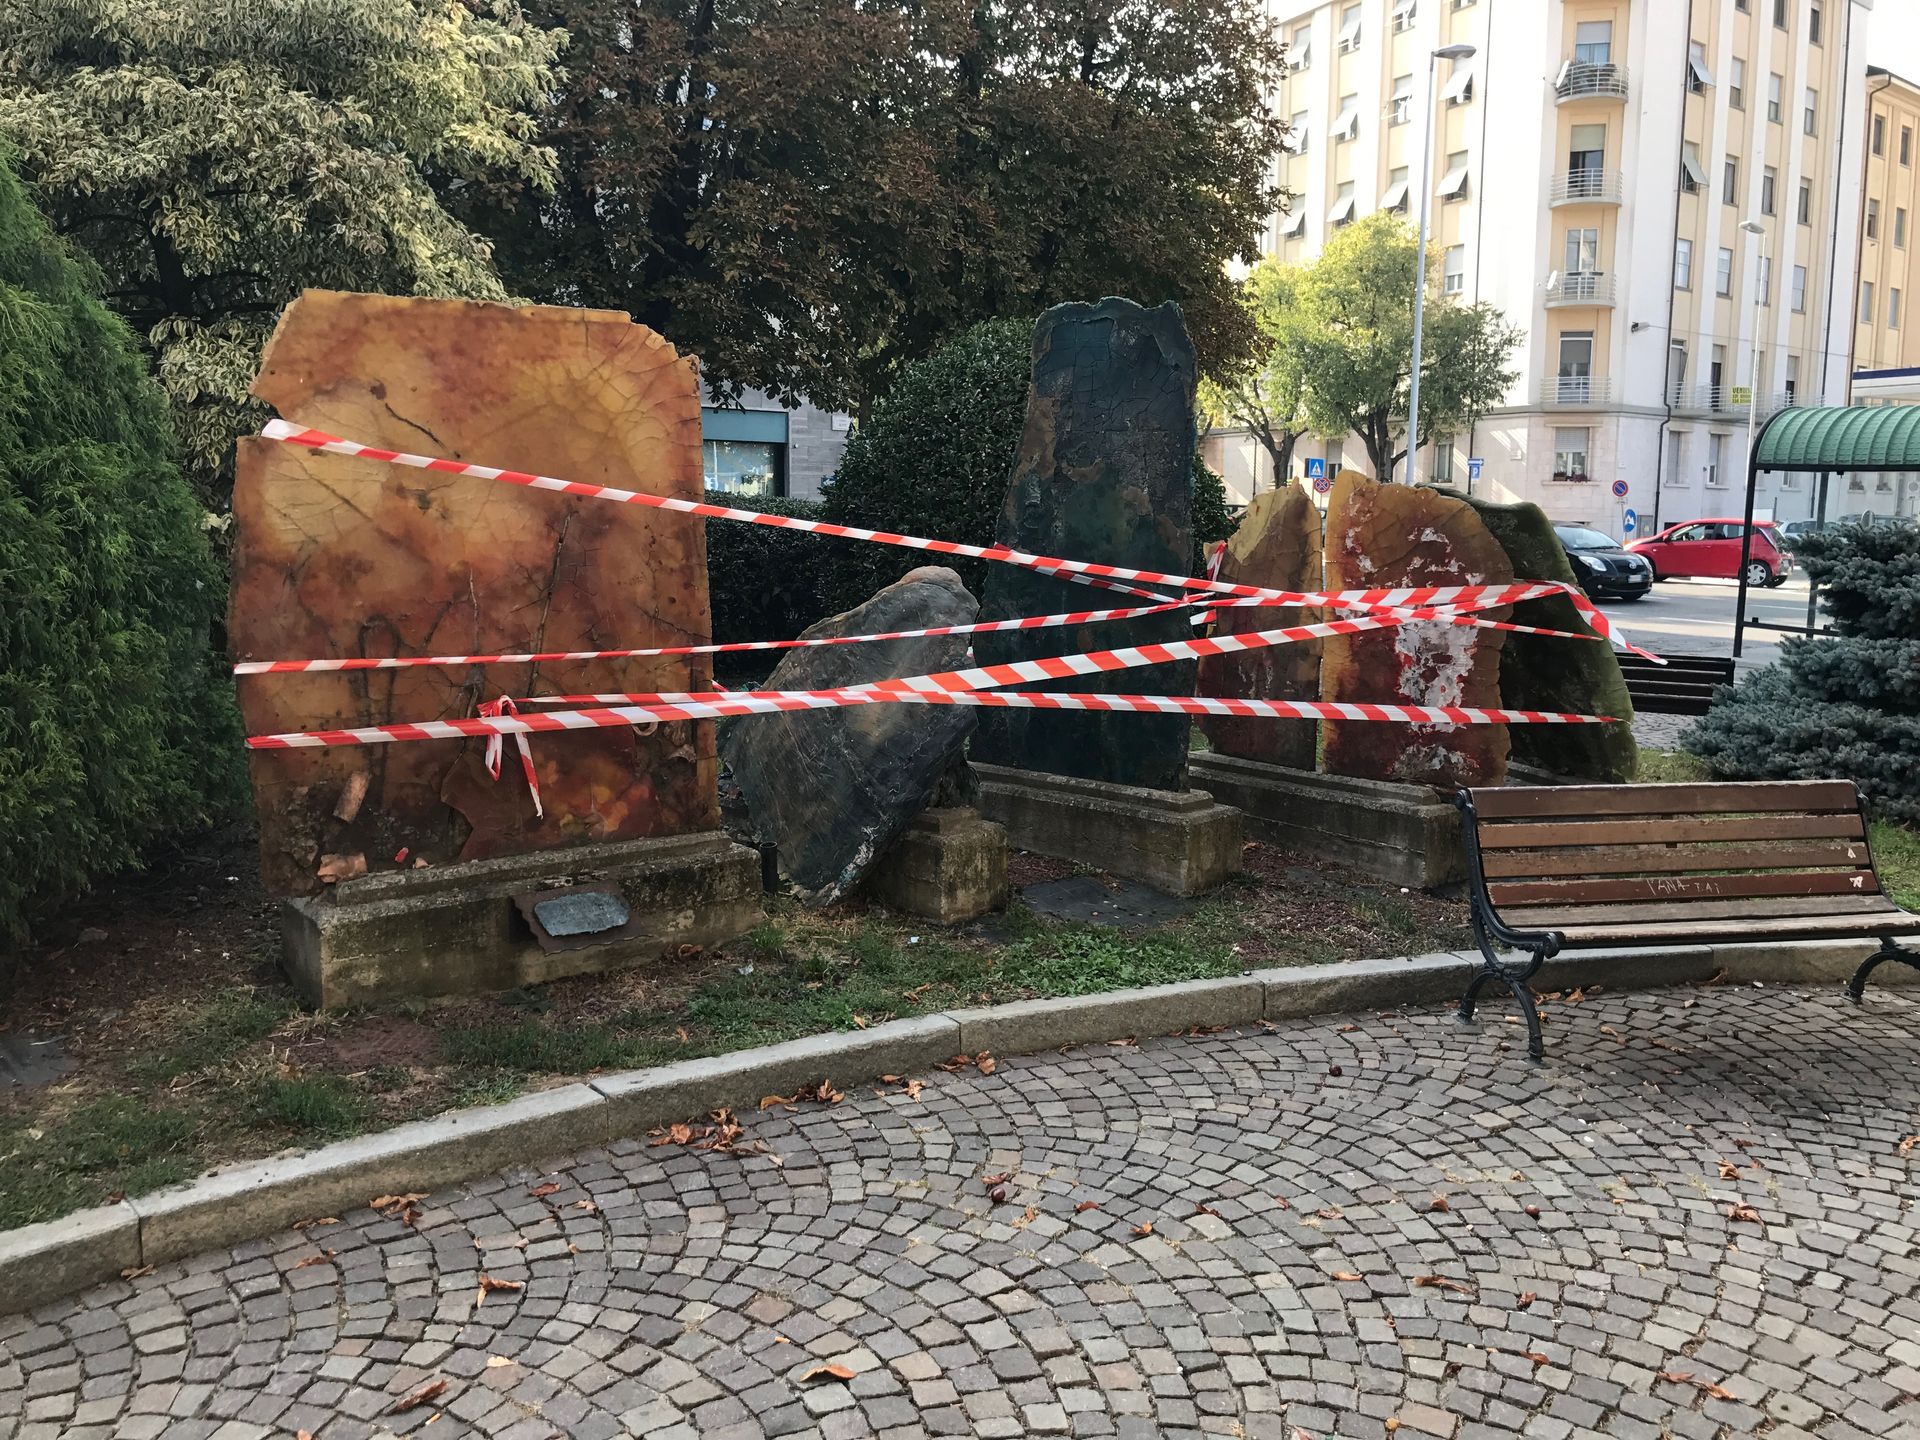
1453,184
1906,144
1396,197
1768,177
1809,112
1342,212
1692,176
1683,264
1300,53
1780,13
1459,86
1813,24
744,467
1866,302
1297,133
1900,227
1346,125
1737,83
1793,379
1576,366
1717,376
1879,134
1730,182
1723,275
1806,202
1465,4
1699,77
1403,15
1676,370
1454,270
1350,30
1873,219
1799,289
1400,109
1593,42
1774,83
1743,6
1716,458
1583,251
1893,308
1570,452
1443,459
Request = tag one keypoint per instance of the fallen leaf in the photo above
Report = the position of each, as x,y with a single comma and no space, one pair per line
1537,1358
1327,1213
335,868
1345,1275
303,1435
1348,1030
586,1205
1906,1145
1283,1202
1146,1229
1729,1171
432,1390
913,1089
1687,1377
859,1022
986,1063
827,1372
996,1179
404,1208
889,1079
1527,1298
1124,1040
1392,1423
1032,1214
1441,1282
489,1285
1575,997
767,1102
322,1258
540,1192
1743,1212
680,1033
1440,1203
1743,1144
135,1272
1086,1205
315,1224
499,1362
1205,1210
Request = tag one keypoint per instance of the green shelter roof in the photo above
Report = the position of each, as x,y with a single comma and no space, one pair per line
1853,437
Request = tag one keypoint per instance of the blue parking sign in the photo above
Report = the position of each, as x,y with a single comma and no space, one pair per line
1474,466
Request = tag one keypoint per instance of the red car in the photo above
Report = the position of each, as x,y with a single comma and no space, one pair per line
1712,547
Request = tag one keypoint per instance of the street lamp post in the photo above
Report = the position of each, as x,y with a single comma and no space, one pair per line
1754,227
1445,52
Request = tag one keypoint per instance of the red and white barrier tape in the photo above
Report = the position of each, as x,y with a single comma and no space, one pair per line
776,701
319,440
504,706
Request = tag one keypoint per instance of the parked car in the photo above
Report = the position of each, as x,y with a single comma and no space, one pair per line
1606,569
1791,532
1712,548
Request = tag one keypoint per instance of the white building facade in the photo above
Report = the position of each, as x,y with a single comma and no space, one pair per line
1592,166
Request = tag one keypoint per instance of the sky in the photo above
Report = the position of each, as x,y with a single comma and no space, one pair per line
1893,37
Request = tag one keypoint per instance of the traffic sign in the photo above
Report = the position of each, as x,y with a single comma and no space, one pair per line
1321,483
1316,469
1474,466
1629,522
1619,489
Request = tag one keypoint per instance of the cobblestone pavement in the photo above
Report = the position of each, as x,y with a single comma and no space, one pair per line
1343,1238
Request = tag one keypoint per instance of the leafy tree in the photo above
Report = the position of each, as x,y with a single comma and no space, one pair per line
1842,708
1266,394
810,194
116,726
1352,331
215,158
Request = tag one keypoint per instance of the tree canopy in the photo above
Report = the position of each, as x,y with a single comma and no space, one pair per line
1266,394
216,158
809,194
1350,330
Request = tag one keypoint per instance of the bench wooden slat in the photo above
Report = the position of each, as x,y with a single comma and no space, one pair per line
1672,859
1551,834
1738,927
1655,912
1681,887
1771,796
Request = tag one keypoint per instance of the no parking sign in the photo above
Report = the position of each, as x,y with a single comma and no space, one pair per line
1619,489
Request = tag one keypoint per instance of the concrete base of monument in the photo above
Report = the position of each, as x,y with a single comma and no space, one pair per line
949,866
1406,834
457,929
1183,842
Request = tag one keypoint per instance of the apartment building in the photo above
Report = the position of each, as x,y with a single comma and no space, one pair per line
1592,167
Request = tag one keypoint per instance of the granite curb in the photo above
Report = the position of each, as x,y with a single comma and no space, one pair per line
43,1262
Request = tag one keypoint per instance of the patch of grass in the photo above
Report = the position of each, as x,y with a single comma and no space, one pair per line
1086,960
212,1035
318,1107
1388,913
535,1046
1670,767
116,1144
1896,854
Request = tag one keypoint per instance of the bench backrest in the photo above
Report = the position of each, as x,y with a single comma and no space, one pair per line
1772,847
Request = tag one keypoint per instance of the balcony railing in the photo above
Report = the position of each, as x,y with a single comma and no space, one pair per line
1579,80
1576,390
1586,187
1581,289
1728,400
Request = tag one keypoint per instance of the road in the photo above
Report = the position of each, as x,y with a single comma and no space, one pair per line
1693,1221
1695,617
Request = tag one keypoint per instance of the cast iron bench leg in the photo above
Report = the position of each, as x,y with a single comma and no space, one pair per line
1857,987
1516,981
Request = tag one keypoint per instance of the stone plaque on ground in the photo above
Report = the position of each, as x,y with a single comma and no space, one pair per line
1103,473
350,557
1540,673
1391,535
832,789
1276,547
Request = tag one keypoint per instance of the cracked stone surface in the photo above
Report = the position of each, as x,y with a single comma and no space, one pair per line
337,557
675,1293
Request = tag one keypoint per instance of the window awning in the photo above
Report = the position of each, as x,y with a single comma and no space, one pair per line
1350,32
1301,55
1297,137
1293,222
1396,196
1342,211
1848,438
1697,67
1347,124
1690,162
1453,184
1403,9
1459,87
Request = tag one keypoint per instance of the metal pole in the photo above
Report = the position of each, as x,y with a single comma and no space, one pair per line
1420,272
1753,361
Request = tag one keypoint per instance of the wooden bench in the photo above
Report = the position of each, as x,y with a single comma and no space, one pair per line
1683,685
1558,867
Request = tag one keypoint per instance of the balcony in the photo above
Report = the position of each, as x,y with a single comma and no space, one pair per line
1586,187
1570,289
1575,390
1579,80
1730,400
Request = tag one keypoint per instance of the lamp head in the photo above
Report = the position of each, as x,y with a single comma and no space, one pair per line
1753,227
1454,52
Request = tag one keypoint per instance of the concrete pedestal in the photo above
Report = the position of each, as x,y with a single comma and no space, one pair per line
950,866
1406,834
455,930
1180,841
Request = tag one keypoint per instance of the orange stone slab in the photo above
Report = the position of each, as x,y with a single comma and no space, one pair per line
343,557
1277,546
1382,536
